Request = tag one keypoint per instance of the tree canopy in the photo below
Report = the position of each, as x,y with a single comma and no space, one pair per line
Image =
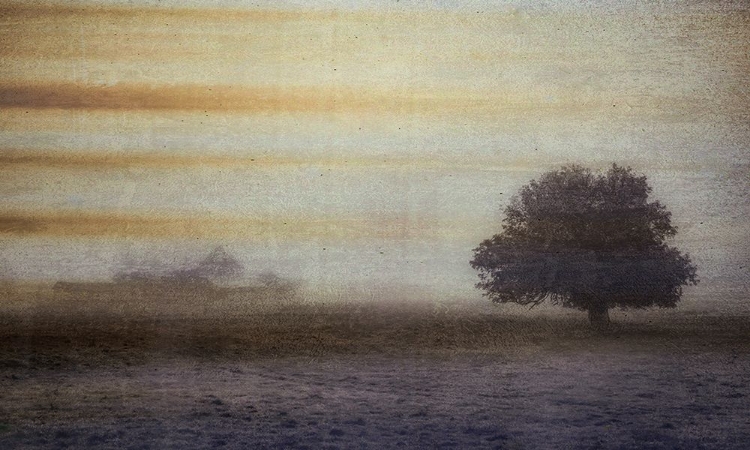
587,241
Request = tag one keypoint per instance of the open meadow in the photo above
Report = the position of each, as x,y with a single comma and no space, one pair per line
366,374
282,224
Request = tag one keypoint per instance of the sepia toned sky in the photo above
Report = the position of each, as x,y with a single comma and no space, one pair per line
373,142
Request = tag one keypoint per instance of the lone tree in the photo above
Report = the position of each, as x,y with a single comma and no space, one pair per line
586,241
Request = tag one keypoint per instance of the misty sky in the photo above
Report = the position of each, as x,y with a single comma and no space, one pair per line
367,141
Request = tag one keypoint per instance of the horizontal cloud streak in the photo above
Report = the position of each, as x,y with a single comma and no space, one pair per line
313,99
72,160
97,224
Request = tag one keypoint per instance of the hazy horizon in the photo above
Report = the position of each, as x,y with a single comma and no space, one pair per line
353,142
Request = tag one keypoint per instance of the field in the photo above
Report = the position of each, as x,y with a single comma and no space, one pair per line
366,374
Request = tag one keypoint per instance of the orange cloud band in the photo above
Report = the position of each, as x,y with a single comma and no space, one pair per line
222,98
105,224
121,160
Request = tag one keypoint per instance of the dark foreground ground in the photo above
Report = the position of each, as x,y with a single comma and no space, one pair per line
374,378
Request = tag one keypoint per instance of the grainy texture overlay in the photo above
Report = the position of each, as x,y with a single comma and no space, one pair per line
249,223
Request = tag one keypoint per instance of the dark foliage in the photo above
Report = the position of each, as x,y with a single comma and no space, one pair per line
587,241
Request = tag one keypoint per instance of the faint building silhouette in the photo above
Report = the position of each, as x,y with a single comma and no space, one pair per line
219,267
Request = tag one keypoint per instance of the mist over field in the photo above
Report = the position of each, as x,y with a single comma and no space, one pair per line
248,224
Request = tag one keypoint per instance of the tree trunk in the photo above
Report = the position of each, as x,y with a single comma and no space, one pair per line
599,317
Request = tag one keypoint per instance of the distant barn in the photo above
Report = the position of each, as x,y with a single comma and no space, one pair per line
219,267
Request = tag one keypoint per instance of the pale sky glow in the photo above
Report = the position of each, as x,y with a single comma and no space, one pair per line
388,133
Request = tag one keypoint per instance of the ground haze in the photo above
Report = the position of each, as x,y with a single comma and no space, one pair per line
367,374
